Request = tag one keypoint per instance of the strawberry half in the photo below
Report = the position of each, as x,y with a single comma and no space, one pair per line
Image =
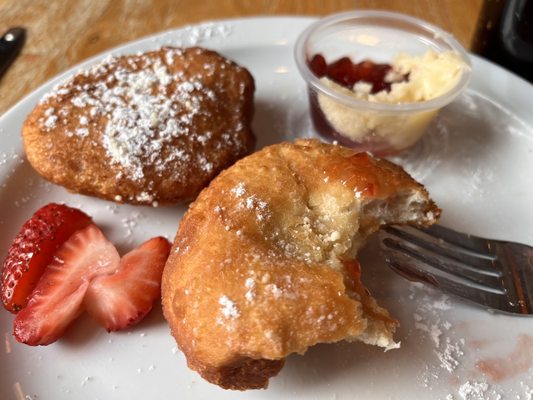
124,298
33,249
58,297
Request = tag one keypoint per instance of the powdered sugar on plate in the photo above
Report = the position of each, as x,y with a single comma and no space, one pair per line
430,322
195,34
455,351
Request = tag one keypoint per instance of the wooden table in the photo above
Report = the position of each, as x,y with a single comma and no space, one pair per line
62,33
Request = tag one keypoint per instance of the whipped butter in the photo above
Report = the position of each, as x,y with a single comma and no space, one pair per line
429,76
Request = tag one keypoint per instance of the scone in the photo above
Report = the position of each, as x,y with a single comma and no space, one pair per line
263,264
148,128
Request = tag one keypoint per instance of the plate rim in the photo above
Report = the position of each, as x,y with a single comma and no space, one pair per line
476,60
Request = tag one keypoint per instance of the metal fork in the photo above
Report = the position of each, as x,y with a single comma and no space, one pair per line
492,273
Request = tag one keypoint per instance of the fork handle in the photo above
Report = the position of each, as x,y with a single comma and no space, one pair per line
10,45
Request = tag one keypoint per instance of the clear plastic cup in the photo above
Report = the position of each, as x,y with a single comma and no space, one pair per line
379,127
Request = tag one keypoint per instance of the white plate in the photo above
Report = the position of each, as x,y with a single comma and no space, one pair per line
477,162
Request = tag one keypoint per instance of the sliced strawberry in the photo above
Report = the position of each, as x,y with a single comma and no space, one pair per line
122,299
58,297
33,249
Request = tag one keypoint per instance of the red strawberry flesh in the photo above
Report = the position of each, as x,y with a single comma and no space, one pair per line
33,249
124,298
58,297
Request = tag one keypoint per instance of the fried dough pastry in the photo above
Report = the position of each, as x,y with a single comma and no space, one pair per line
144,128
263,264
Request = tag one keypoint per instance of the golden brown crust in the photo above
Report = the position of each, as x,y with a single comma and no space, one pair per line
152,127
259,267
244,373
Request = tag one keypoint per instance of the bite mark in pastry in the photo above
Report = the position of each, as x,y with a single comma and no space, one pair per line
263,264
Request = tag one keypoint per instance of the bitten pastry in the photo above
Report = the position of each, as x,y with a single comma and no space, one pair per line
263,264
144,129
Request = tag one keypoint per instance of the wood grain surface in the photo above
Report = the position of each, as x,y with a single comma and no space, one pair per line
61,33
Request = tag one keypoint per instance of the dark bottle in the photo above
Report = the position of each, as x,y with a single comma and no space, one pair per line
504,35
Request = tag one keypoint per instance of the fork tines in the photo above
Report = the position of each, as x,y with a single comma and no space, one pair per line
480,270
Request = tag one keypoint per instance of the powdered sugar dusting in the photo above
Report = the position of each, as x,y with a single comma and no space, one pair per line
239,190
251,203
528,391
250,286
430,319
145,111
131,222
473,390
228,308
199,33
450,354
196,34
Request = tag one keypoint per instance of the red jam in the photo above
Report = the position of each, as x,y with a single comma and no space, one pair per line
346,73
